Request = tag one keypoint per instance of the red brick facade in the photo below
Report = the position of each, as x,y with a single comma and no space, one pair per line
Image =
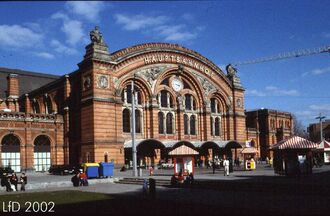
86,114
267,127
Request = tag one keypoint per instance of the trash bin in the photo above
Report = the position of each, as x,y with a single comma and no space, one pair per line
92,169
106,169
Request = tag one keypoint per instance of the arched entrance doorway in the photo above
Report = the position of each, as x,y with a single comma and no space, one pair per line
150,152
42,160
10,152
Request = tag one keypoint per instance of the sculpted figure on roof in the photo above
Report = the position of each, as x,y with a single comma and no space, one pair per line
96,35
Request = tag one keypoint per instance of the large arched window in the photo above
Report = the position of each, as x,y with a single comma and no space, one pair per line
137,121
169,123
126,95
188,100
212,127
192,125
186,124
126,121
10,152
217,127
215,106
48,105
42,160
35,106
165,99
161,123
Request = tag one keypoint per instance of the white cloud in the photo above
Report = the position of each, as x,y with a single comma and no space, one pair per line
60,48
16,36
272,91
73,29
158,26
175,33
320,107
44,55
316,71
89,10
255,92
319,71
139,22
275,91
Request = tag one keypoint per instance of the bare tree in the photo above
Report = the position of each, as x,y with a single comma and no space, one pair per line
298,128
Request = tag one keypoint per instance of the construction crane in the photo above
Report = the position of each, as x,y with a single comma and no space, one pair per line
299,53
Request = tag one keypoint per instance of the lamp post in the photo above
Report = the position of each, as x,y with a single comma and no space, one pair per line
133,130
321,128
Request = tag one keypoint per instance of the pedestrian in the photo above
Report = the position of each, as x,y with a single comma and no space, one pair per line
5,182
14,180
23,181
213,167
83,179
226,165
75,180
145,187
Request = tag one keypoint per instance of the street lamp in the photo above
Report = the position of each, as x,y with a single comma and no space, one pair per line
321,128
133,129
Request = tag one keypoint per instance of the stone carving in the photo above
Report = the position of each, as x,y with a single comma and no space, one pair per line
150,74
96,35
87,82
230,103
231,71
102,81
207,85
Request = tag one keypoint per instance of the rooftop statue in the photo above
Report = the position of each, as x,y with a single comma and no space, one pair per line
231,71
96,35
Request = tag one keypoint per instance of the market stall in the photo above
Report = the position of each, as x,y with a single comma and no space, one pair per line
183,159
293,156
249,154
324,151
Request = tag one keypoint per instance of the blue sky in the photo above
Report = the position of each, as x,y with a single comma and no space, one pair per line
50,37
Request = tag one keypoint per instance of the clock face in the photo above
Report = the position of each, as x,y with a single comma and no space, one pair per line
177,85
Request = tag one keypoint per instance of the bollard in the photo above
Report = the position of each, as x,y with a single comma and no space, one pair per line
152,188
140,172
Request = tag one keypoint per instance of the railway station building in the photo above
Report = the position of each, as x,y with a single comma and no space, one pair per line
85,116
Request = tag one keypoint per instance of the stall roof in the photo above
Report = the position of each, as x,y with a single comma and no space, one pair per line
183,150
249,150
324,145
294,142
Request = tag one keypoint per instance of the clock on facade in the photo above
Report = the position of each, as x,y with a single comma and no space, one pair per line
177,85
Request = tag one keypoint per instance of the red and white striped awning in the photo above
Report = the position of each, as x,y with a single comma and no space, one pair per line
295,142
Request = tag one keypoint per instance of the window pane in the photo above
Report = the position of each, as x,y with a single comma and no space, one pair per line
160,123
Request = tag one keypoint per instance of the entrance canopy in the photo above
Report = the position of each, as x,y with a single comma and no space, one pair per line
196,144
295,142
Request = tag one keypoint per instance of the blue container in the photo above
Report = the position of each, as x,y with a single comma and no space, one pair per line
106,169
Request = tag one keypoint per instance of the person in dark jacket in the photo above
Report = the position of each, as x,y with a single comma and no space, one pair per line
5,182
23,181
75,180
14,180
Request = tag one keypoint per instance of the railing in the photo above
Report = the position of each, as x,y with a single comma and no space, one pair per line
16,116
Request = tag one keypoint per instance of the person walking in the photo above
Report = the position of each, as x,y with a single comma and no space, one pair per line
5,182
226,165
23,180
213,166
14,180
